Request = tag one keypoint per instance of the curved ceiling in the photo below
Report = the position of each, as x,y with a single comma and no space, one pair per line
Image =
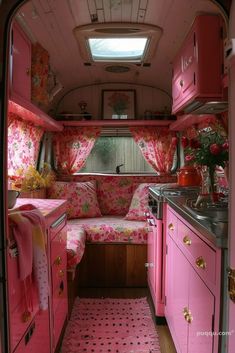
51,22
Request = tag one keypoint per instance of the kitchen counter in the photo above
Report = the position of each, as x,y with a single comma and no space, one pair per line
50,208
210,230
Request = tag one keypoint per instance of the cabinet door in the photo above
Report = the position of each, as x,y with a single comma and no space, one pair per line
21,64
189,67
177,82
201,306
177,282
151,262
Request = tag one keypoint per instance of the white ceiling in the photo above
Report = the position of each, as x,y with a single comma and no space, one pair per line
51,22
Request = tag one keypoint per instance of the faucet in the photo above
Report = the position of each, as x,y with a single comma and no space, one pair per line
118,168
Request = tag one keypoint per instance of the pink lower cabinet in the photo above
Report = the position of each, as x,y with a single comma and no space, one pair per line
59,297
192,291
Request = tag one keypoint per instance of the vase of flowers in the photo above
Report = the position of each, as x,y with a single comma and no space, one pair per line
209,148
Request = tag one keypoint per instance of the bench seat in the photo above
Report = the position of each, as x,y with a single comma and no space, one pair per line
114,229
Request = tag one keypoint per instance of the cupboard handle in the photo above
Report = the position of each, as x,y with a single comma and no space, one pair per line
58,261
200,263
28,71
26,316
187,240
181,83
61,273
185,311
171,226
146,264
187,315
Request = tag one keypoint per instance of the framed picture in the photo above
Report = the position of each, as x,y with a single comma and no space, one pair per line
118,104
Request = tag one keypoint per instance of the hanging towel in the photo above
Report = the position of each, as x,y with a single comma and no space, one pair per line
28,228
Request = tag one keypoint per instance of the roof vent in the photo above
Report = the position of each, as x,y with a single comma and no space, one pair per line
117,69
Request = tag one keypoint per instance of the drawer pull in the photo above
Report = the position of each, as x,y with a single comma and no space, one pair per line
201,263
61,289
61,273
26,316
171,226
187,240
58,261
187,315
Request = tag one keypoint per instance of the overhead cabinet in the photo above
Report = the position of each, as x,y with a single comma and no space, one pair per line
198,68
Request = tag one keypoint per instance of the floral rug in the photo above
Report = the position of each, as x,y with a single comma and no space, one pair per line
111,325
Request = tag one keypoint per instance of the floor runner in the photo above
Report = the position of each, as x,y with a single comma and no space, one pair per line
111,325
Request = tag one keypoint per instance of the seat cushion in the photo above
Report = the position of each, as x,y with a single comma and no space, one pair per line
139,203
112,229
81,197
76,239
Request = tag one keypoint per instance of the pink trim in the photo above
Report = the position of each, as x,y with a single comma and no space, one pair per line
124,122
28,111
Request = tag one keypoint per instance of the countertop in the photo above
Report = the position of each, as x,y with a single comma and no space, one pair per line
211,230
50,208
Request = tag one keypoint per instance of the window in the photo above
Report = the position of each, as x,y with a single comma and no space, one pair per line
118,49
111,151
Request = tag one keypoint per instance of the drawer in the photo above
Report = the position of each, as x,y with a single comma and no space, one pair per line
199,253
171,223
37,332
58,248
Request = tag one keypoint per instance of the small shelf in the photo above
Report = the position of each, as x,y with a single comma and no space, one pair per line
114,122
187,120
30,112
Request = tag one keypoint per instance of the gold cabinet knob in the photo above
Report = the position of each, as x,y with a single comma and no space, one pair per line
200,263
61,273
187,240
187,315
58,261
26,316
171,226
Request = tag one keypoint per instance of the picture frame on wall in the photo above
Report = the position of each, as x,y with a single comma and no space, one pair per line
118,104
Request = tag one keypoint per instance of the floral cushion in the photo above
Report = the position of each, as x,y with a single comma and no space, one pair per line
76,239
82,199
139,203
112,229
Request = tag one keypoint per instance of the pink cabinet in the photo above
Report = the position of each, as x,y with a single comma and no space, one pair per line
198,67
20,64
191,302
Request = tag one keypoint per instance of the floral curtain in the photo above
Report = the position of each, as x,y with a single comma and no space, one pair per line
157,145
72,146
23,143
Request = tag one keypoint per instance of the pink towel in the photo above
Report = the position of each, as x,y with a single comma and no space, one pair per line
28,228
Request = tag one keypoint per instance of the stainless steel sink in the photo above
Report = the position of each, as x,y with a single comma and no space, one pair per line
215,212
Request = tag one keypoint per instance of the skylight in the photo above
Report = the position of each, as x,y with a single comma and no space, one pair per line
118,49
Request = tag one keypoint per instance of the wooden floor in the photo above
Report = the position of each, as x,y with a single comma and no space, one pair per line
166,343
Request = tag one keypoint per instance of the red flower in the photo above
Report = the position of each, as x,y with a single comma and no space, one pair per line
184,141
189,158
225,146
215,149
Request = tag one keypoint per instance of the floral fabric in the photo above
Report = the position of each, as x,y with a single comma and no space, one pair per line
112,229
157,146
114,192
39,73
81,197
139,203
23,144
72,146
76,239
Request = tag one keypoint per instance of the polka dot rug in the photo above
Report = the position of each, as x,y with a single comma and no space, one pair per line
111,326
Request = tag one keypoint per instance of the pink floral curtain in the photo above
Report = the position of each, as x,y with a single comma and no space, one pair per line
23,144
157,145
72,146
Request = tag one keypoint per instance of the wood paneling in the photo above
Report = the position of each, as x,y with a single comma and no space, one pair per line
113,265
